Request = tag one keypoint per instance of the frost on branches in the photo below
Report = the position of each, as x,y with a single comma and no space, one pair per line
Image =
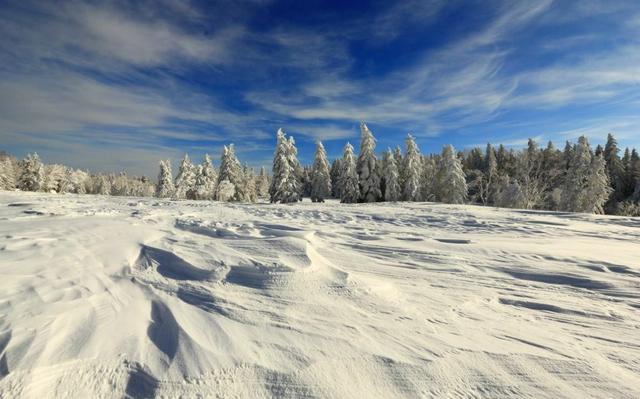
368,178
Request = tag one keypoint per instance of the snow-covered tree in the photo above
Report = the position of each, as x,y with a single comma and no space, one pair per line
391,177
8,171
247,190
428,181
32,173
586,186
292,157
336,168
119,184
412,170
450,179
262,184
285,186
320,178
165,186
55,179
349,190
78,181
226,191
206,179
185,180
231,171
368,177
509,194
103,185
491,176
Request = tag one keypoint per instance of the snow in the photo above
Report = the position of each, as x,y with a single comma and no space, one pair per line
112,296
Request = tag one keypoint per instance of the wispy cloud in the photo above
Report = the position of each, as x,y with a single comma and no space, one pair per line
166,77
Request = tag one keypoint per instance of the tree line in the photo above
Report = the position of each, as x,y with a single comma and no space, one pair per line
575,179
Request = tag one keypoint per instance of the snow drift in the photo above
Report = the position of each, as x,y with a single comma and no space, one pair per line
112,297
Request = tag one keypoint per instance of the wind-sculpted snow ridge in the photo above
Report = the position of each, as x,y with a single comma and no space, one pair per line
121,297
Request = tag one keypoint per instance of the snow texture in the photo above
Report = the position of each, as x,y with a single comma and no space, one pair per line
110,297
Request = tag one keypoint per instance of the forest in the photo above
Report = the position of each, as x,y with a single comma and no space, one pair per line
577,178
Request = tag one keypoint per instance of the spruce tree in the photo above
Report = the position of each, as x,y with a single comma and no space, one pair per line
285,186
320,177
185,180
586,184
231,173
298,171
350,192
32,176
450,179
391,177
262,184
165,187
412,170
336,167
206,179
428,185
368,178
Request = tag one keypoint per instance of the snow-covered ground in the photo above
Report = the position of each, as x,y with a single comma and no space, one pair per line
111,297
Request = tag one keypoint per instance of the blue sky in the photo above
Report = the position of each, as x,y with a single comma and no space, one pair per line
118,85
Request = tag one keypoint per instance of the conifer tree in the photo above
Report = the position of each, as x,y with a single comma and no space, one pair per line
412,170
231,172
428,186
320,177
368,178
32,176
391,177
206,180
185,180
285,186
586,185
262,184
349,190
165,187
298,171
450,179
336,168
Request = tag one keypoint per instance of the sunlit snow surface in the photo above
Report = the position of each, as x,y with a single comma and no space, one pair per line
112,297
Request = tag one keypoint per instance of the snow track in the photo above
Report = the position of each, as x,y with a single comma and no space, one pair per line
121,297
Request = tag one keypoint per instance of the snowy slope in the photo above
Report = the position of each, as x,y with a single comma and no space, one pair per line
111,297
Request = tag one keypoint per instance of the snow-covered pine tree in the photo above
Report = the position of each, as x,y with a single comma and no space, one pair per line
8,170
185,180
598,187
368,178
78,181
349,190
292,157
428,179
491,175
391,177
165,187
225,191
262,184
230,171
412,170
450,179
586,182
248,186
32,173
615,171
320,177
336,167
55,179
285,186
206,179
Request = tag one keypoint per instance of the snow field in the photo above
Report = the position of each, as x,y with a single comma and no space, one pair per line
112,296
